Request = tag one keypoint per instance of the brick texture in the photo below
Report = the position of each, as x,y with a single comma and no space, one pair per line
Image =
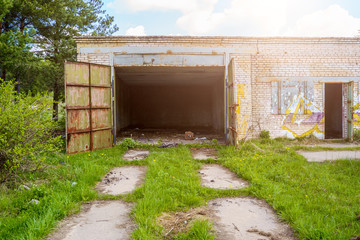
315,60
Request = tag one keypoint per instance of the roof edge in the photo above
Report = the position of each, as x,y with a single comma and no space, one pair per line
214,39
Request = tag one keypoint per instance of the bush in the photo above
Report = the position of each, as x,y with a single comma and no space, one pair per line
264,134
128,143
26,131
356,134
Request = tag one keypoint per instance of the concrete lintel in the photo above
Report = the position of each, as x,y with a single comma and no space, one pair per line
172,59
345,79
168,50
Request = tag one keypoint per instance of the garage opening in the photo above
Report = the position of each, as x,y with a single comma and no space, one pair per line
333,111
167,98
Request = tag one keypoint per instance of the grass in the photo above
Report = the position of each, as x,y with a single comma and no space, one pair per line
319,200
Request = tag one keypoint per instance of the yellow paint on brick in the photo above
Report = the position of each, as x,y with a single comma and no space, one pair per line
243,126
241,90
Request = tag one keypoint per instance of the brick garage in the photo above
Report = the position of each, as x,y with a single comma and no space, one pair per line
238,86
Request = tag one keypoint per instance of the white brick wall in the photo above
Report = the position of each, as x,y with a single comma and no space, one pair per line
304,58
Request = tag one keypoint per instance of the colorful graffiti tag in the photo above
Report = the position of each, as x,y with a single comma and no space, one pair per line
303,118
356,111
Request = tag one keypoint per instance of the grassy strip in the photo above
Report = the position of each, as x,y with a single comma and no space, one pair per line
172,184
60,190
320,201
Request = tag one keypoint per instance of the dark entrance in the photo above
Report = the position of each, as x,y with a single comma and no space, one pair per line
170,98
333,110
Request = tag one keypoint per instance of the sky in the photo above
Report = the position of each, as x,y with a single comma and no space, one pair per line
307,18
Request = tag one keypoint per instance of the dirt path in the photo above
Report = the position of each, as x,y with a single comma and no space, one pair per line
233,218
136,154
122,180
106,220
216,176
204,153
247,218
322,156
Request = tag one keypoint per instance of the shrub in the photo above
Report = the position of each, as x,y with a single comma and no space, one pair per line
264,134
128,143
356,134
26,131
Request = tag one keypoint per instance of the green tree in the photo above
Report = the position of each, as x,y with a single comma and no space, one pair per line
16,41
69,18
52,24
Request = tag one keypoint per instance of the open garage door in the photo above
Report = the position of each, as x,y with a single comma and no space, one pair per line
88,106
174,98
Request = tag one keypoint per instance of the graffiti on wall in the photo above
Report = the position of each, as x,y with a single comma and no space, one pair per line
303,118
356,111
241,120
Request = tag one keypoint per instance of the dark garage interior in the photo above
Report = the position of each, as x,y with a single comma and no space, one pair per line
163,97
333,110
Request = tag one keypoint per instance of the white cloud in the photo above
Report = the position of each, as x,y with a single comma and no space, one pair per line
244,17
249,17
136,31
331,22
162,5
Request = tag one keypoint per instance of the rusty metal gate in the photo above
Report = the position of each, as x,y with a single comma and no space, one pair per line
88,106
231,104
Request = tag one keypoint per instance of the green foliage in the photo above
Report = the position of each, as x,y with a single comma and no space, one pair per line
128,143
199,230
47,28
319,201
356,134
264,134
26,129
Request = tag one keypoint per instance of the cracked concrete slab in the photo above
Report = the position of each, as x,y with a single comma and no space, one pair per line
136,154
204,153
322,156
122,180
246,218
106,220
216,176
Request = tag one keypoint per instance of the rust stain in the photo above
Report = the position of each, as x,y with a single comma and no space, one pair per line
100,97
214,53
101,118
123,52
169,52
78,120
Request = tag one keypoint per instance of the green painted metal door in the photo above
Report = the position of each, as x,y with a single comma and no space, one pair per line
88,106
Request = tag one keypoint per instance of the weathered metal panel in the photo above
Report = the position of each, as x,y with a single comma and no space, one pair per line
78,120
100,97
79,142
101,118
77,96
100,76
232,104
77,73
88,106
101,139
100,106
170,59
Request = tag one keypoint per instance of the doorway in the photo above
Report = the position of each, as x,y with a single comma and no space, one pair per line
333,111
169,99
